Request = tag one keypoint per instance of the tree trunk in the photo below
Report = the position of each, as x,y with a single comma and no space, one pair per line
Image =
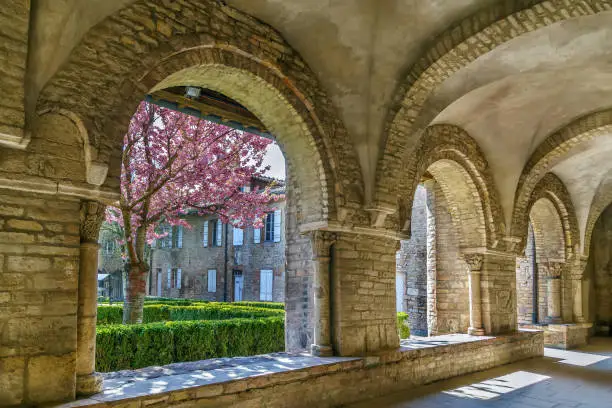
135,294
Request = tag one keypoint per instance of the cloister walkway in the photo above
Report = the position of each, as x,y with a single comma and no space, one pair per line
561,379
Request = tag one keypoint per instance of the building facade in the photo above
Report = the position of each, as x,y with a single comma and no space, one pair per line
219,262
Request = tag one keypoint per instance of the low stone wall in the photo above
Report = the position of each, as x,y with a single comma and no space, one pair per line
329,385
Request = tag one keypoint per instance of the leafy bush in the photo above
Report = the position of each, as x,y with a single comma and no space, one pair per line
206,311
120,347
403,329
267,305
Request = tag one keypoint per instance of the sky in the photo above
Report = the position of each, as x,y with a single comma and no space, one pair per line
275,159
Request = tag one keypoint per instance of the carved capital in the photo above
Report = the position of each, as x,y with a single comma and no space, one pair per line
321,241
552,270
474,261
92,215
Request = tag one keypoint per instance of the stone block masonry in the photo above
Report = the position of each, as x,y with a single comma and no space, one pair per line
39,267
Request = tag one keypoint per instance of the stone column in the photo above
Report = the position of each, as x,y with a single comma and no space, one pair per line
577,292
474,263
430,207
553,288
87,380
321,244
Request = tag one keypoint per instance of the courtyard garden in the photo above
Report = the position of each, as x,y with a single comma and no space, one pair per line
179,330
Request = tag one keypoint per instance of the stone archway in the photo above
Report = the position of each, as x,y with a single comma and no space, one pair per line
461,218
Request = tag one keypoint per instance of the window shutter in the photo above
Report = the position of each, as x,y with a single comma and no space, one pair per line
256,235
170,237
179,238
219,226
265,284
277,226
205,234
238,236
178,278
212,280
169,278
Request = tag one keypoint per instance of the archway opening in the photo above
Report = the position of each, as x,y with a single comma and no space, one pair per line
597,286
432,277
542,262
214,261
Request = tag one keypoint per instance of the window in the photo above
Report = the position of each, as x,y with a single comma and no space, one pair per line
179,236
256,235
174,278
265,284
217,228
238,236
212,280
109,246
166,242
273,226
245,189
205,234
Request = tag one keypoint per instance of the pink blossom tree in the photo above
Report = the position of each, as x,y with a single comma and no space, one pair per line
173,163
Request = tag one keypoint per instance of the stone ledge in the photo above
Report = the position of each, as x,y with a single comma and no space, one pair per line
563,336
306,381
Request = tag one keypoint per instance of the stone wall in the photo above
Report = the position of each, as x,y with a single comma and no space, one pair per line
452,287
39,267
412,263
14,30
449,277
339,383
599,275
498,291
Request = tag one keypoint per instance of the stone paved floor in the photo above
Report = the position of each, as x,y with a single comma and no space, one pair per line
562,379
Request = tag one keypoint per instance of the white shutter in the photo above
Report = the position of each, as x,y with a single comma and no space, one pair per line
170,237
169,278
205,234
212,280
179,238
178,278
219,226
238,236
277,226
256,235
265,284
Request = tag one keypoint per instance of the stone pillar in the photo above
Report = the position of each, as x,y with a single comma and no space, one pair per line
474,263
577,276
553,288
430,207
321,259
364,319
87,380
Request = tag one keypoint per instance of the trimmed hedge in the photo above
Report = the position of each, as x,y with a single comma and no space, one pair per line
120,347
209,311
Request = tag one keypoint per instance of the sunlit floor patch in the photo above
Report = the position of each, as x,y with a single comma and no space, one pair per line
574,357
495,387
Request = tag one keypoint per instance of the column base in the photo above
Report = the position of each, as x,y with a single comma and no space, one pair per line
321,350
475,332
89,384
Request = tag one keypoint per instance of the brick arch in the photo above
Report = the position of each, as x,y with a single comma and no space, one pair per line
548,231
455,159
550,152
120,59
601,201
455,48
552,189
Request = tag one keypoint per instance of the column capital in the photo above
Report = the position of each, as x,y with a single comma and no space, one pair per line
474,261
552,270
92,215
321,241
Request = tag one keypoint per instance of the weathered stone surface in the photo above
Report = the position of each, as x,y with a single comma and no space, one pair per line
11,380
42,386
